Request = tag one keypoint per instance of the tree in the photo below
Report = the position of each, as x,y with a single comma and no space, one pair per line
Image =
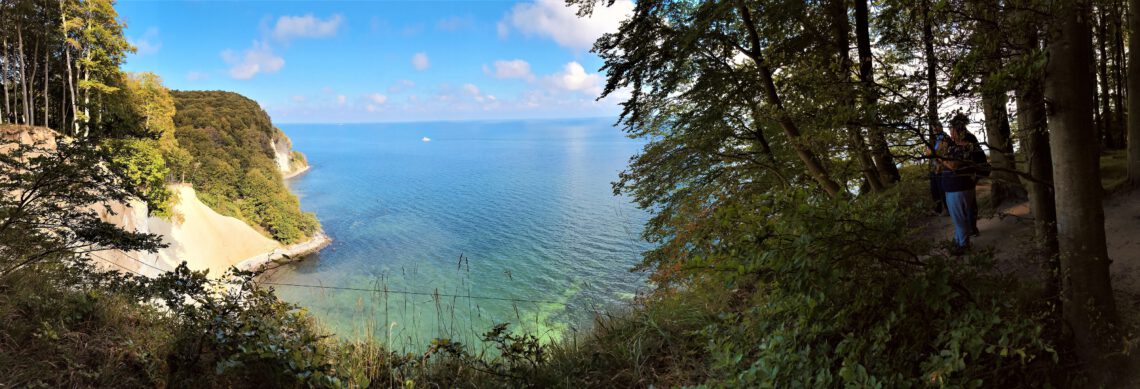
1133,142
931,65
140,163
1089,308
53,216
857,146
982,71
153,103
884,161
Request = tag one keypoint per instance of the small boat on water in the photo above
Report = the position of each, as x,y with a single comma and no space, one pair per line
426,139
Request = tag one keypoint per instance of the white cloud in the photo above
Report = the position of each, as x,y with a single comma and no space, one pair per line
553,19
574,78
148,43
455,23
298,99
307,26
515,68
254,60
401,85
502,29
475,94
378,98
412,30
420,61
371,108
341,99
197,76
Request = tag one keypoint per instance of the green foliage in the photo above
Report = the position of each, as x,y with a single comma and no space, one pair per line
140,163
59,330
153,103
228,137
298,160
821,294
210,333
55,211
237,331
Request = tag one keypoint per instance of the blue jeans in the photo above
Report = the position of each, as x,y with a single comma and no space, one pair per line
958,203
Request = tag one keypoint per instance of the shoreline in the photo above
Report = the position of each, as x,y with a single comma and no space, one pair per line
287,254
296,173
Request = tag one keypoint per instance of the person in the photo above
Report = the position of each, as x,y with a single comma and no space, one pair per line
958,182
958,123
938,140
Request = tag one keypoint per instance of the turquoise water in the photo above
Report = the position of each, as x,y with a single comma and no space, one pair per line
529,205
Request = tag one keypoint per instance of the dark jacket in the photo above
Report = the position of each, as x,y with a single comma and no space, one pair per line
962,178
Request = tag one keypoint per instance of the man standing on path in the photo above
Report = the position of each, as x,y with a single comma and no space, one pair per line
958,124
957,180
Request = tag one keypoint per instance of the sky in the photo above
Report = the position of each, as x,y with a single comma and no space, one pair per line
380,61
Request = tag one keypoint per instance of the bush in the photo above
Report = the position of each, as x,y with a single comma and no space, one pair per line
845,293
140,162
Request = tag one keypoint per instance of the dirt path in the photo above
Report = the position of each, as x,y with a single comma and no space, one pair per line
1009,233
1122,228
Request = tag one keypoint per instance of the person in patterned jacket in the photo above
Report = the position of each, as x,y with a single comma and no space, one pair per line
957,180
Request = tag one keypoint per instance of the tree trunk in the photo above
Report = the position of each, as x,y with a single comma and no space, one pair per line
772,98
1104,128
87,97
1118,76
47,98
1089,309
884,161
1035,145
1006,185
71,91
1034,134
34,70
931,67
857,146
4,81
1134,93
26,106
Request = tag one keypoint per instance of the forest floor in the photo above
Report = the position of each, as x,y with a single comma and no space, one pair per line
1008,232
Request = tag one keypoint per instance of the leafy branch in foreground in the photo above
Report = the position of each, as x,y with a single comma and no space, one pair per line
48,211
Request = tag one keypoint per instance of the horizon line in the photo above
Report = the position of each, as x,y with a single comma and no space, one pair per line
614,118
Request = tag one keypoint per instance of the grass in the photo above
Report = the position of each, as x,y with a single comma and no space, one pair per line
1114,170
59,333
61,337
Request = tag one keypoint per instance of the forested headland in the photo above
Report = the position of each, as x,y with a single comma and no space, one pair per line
786,167
229,139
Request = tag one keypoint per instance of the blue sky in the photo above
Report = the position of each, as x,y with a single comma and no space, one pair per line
357,61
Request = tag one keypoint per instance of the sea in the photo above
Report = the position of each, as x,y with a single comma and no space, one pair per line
446,229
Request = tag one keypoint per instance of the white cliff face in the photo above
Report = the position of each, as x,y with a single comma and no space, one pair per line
282,154
203,238
130,216
287,162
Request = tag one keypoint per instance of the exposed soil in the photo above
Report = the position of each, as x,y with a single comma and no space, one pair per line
1008,232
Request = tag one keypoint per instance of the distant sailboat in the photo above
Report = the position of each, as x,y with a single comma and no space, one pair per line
426,139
